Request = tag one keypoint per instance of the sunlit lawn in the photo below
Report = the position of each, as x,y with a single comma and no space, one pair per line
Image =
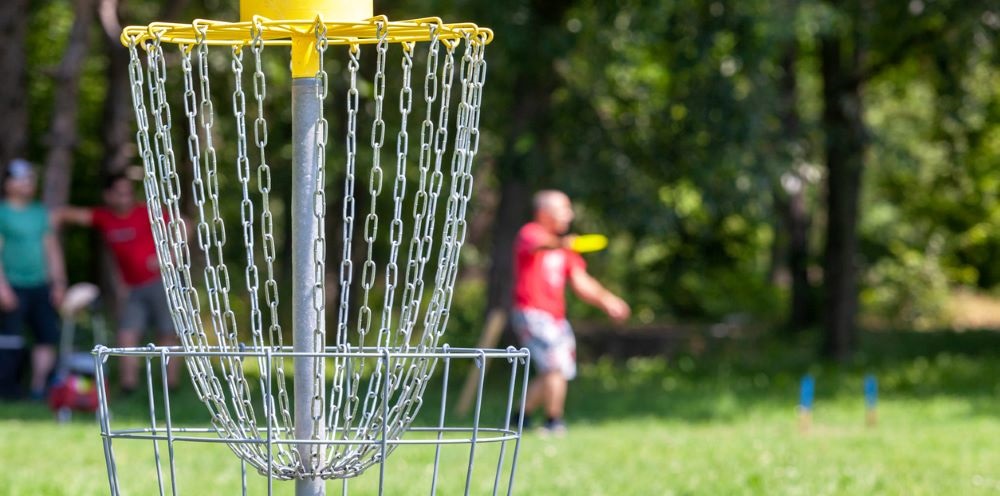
684,426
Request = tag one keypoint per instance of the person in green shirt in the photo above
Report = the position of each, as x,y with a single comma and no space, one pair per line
32,271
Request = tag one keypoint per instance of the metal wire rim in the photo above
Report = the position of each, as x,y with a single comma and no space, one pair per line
208,435
280,32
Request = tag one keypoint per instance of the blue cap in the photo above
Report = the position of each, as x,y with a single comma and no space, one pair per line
20,168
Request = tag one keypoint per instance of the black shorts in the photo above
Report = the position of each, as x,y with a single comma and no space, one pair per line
34,309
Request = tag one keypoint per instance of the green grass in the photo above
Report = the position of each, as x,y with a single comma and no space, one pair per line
723,422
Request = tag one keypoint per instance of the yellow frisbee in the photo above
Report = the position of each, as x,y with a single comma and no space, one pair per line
586,243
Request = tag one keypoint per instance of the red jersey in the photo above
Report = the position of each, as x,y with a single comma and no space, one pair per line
130,238
540,273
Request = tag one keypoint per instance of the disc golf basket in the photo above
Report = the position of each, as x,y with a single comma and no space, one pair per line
324,407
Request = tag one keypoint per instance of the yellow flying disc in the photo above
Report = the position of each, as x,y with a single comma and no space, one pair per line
585,243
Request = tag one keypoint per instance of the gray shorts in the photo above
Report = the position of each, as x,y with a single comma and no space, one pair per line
549,339
147,307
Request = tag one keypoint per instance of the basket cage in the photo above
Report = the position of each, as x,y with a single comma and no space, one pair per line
347,232
159,443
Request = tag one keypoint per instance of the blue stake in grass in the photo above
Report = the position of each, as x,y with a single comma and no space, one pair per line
871,400
807,391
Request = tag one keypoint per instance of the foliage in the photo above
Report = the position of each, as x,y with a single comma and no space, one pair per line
665,125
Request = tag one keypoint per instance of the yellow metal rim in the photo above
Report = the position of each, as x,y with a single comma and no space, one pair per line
281,32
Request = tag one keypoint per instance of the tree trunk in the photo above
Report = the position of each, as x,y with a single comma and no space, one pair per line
845,145
515,196
117,119
792,202
13,80
62,131
801,314
529,117
534,83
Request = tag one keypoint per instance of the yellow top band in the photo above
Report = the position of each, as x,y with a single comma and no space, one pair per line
281,32
301,34
343,10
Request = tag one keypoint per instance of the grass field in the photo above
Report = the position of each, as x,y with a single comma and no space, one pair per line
719,423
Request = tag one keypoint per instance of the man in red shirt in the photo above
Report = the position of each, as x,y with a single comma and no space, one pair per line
124,225
543,263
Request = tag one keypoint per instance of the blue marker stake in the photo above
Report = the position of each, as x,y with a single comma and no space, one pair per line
871,399
807,391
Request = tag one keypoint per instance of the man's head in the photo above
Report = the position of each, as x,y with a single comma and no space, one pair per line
20,180
119,193
553,210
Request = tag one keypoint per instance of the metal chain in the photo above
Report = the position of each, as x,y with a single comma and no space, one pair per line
374,185
472,78
398,193
213,237
164,201
462,180
422,239
191,107
319,254
436,305
395,386
371,228
196,338
239,387
346,378
274,334
346,264
396,227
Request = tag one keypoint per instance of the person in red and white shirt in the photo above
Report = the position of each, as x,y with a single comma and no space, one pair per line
543,264
125,228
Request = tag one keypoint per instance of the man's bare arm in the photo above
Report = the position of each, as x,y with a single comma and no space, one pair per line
592,292
57,267
81,216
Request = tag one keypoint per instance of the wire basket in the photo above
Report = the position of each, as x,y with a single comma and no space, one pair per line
439,454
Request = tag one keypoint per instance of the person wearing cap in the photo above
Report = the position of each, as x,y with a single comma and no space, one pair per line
32,271
125,227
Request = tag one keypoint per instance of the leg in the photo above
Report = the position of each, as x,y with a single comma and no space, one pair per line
541,334
536,394
128,378
43,360
42,318
133,320
158,309
548,390
555,394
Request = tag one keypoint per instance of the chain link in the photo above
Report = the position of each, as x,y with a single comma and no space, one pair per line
436,308
353,374
275,338
317,451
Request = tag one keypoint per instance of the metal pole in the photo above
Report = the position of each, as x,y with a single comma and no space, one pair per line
305,230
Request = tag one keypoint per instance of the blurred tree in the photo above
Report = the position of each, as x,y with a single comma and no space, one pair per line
63,135
118,119
687,131
863,40
13,80
790,191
